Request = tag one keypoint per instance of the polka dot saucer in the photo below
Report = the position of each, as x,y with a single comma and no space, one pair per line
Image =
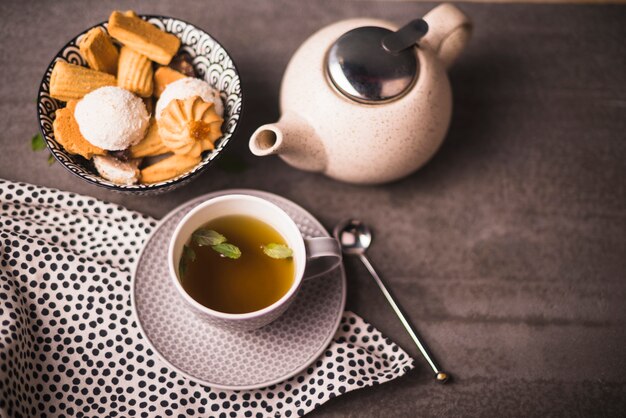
234,360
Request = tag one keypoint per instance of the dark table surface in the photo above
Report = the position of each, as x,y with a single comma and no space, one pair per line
508,250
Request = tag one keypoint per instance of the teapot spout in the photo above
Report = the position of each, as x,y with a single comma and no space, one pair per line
293,139
267,140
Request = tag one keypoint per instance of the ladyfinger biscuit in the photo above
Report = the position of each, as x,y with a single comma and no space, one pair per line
70,81
134,72
67,133
151,145
164,76
99,52
168,168
143,37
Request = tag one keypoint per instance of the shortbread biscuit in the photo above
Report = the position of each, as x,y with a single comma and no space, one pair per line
99,52
143,37
72,82
190,126
134,72
151,145
68,135
164,76
168,168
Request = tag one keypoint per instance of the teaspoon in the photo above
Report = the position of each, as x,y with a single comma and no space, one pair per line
355,238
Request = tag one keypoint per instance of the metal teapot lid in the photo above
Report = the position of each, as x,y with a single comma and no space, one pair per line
374,65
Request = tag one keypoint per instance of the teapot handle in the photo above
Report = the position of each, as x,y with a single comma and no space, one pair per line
449,29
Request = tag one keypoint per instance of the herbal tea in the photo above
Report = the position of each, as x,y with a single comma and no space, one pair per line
236,264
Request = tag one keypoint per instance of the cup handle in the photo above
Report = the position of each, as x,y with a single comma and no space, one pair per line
323,254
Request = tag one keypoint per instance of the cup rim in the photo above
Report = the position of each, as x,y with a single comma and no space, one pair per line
225,315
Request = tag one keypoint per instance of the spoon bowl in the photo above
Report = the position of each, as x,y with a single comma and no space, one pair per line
353,236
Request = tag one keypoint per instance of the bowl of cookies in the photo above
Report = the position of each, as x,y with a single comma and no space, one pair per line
139,104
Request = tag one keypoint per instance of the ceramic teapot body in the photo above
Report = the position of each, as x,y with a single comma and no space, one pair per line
323,130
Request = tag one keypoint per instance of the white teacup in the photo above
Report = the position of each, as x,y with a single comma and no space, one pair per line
312,256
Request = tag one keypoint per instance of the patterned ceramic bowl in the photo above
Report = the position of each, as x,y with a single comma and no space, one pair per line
211,63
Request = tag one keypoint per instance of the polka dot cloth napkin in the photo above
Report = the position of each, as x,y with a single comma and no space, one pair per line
69,345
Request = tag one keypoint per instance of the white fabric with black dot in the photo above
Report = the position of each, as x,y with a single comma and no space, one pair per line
70,347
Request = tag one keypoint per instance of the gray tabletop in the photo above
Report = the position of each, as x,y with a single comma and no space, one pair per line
508,250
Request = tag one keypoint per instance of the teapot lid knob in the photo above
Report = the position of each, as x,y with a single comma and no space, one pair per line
375,65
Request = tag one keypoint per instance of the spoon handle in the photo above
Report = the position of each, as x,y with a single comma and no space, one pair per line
440,375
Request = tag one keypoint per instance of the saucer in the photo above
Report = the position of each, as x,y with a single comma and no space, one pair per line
234,360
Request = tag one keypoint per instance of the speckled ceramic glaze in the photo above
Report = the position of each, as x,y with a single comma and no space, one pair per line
227,358
323,130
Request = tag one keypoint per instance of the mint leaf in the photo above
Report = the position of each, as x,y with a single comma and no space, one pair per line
189,253
207,237
227,250
278,251
188,256
37,143
51,159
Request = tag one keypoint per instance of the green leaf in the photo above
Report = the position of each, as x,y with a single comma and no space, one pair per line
232,164
182,268
227,250
207,237
278,251
189,255
51,159
37,143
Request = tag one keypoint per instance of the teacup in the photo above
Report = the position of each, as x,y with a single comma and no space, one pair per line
312,257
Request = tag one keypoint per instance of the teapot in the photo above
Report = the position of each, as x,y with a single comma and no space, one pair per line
364,102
